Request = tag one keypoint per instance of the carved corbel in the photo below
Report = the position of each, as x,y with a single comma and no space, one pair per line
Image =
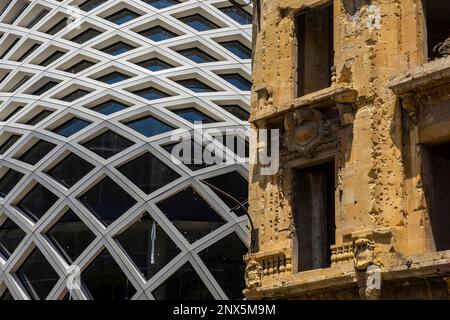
346,113
253,274
409,103
264,96
364,254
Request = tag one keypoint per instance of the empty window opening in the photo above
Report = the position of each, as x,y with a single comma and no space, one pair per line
314,215
315,49
438,28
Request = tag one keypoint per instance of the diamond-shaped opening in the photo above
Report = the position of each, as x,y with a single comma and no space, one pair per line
185,284
104,280
238,14
158,33
195,85
75,95
117,48
6,296
236,111
70,170
190,214
109,107
122,16
38,151
8,181
238,81
197,55
161,4
37,275
70,236
155,64
39,117
107,200
108,144
10,237
224,261
238,49
80,66
151,93
9,143
233,191
113,77
149,126
71,126
148,173
148,246
199,23
37,202
91,4
193,115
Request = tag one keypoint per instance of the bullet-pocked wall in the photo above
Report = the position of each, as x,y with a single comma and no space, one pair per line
91,93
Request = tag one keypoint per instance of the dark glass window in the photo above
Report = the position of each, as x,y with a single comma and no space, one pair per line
71,126
9,143
154,64
195,85
75,95
113,77
148,246
37,275
190,214
185,284
158,34
70,236
91,4
28,52
37,152
110,107
104,280
11,114
161,4
10,237
238,14
70,170
9,180
58,27
85,36
234,185
199,23
37,202
238,49
20,83
151,93
237,111
149,126
193,115
38,18
39,117
118,48
80,66
194,160
107,201
236,144
197,55
238,81
51,58
148,173
6,296
45,88
122,16
108,144
224,261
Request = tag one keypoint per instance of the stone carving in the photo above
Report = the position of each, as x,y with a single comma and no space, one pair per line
364,254
443,49
253,274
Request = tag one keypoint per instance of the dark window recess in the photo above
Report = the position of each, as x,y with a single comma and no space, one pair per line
58,27
38,18
161,4
185,284
10,237
113,77
70,236
237,144
38,151
122,16
28,52
193,159
91,4
238,49
39,117
20,83
195,85
85,36
9,180
80,66
149,126
19,12
117,48
316,52
108,144
37,275
436,179
148,173
314,215
104,280
158,34
45,88
70,170
71,126
12,113
193,115
6,296
154,65
9,143
224,261
53,57
199,23
197,55
237,111
438,28
239,15
9,48
190,214
151,93
233,191
37,202
75,95
110,107
148,246
238,81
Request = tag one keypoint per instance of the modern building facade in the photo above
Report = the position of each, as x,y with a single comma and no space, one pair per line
91,94
359,91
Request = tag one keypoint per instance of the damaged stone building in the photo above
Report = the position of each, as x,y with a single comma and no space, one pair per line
360,91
